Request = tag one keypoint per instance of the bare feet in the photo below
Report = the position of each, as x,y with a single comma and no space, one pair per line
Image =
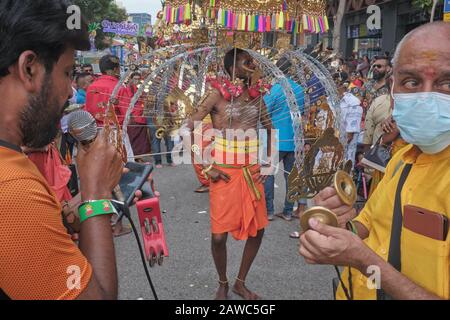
241,290
222,292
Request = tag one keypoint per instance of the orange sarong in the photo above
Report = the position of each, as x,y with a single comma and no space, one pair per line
239,206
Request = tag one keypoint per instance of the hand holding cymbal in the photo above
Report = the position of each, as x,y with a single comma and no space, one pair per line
345,189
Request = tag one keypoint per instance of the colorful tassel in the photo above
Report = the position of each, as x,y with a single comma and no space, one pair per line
187,14
305,22
281,21
327,26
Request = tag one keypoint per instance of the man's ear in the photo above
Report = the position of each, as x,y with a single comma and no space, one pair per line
29,71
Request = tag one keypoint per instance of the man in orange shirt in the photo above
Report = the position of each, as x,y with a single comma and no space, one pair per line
36,64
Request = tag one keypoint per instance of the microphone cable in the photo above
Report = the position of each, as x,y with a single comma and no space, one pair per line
126,212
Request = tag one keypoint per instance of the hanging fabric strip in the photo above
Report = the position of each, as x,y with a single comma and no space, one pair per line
224,17
281,22
277,20
225,21
287,22
247,22
241,21
187,15
219,17
305,23
261,21
327,26
234,21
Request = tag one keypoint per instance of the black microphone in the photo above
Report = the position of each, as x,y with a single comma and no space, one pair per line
83,127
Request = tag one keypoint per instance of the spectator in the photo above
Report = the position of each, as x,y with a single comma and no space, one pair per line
363,67
279,110
87,68
137,126
379,111
413,260
97,99
99,92
351,113
35,83
84,80
356,81
378,85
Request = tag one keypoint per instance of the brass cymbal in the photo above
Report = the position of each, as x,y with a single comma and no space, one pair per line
345,187
321,214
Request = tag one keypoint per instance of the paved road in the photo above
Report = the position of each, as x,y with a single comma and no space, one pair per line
278,272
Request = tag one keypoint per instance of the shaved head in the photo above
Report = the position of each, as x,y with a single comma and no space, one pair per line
431,33
422,60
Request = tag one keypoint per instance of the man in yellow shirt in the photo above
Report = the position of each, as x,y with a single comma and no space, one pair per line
404,262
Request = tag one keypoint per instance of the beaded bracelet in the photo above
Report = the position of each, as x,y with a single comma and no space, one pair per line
90,209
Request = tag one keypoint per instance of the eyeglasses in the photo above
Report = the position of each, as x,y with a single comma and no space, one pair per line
378,66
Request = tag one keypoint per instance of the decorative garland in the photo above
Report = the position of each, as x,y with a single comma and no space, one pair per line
238,19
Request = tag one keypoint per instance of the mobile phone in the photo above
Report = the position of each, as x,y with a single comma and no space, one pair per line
134,180
426,222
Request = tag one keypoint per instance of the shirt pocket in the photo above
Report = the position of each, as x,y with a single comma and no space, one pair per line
425,261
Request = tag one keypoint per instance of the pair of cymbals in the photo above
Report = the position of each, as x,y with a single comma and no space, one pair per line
346,190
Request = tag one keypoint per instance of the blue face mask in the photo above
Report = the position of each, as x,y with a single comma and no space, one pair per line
424,119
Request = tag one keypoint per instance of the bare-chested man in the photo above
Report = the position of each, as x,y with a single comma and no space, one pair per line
236,191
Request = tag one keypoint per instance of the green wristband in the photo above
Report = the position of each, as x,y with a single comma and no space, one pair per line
90,209
352,227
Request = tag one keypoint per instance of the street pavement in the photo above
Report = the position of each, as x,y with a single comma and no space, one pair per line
278,273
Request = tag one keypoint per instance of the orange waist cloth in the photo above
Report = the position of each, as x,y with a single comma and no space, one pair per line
238,206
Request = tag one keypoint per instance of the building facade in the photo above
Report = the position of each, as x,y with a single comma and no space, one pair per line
398,17
142,19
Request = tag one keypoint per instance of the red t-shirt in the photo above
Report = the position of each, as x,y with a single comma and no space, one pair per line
126,94
98,95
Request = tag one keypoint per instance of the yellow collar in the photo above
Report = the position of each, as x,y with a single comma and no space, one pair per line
416,156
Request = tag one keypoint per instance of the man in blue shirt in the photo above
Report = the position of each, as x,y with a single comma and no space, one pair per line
278,109
84,80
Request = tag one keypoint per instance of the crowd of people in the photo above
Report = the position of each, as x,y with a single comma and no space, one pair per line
65,214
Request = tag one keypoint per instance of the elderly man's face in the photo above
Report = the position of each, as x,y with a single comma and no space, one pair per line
423,66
